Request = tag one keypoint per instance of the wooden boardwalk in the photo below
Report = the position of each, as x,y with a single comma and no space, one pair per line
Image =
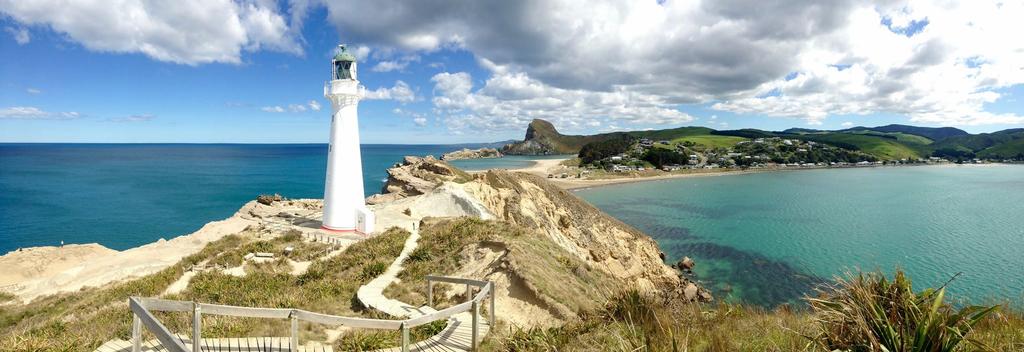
458,334
242,344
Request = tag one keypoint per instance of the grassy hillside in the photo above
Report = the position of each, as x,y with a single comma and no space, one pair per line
901,137
1003,144
868,312
879,146
891,142
932,133
543,138
711,140
81,321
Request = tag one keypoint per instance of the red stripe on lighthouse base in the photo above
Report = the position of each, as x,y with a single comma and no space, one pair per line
334,230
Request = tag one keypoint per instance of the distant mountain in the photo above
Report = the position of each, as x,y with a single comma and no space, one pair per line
886,142
1005,144
542,138
933,133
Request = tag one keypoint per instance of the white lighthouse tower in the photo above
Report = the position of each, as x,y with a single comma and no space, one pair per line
344,204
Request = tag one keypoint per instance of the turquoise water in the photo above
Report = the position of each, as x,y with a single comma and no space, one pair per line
126,195
769,238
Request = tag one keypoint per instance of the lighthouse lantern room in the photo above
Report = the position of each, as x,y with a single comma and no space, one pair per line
344,204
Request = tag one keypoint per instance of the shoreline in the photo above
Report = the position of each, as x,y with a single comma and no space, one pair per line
541,167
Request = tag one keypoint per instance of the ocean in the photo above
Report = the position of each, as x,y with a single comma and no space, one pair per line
763,239
770,238
126,195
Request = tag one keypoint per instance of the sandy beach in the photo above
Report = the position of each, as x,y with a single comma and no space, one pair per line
544,167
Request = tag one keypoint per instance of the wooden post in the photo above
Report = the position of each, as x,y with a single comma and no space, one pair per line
493,312
197,321
476,324
405,338
469,292
430,293
136,333
295,333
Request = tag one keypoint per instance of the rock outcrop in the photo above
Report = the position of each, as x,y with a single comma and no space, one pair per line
466,153
578,227
532,202
415,176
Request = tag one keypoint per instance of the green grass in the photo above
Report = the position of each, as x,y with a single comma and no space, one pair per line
868,312
900,136
880,147
81,321
710,140
561,281
634,322
1007,150
5,297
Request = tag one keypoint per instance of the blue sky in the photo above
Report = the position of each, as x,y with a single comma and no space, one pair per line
473,77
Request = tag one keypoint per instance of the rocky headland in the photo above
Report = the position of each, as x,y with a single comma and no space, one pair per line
466,153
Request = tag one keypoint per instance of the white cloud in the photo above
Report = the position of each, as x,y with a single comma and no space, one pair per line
33,91
398,64
313,105
386,66
847,124
20,35
795,59
133,118
417,118
186,32
509,101
34,113
400,92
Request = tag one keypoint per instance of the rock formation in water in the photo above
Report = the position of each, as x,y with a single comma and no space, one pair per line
466,153
415,176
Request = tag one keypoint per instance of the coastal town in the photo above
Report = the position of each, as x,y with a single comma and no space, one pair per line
644,155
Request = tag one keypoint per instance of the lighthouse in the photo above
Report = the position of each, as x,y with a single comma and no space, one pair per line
344,204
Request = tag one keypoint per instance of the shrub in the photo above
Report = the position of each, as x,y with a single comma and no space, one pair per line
867,312
373,270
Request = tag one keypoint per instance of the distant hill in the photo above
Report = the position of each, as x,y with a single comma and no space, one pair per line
542,138
886,142
933,133
1005,144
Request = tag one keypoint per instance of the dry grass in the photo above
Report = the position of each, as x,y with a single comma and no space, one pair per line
633,322
561,281
83,320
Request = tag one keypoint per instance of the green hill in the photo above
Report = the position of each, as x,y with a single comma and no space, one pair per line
1005,144
884,147
932,133
890,142
542,138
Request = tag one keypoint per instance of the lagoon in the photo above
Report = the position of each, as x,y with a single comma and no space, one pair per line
769,238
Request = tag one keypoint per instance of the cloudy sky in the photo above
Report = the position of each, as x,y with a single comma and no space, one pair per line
480,70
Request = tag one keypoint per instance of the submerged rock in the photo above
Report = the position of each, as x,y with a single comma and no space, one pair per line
685,264
466,153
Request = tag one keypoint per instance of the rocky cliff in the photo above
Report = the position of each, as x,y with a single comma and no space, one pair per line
415,176
542,138
578,228
466,153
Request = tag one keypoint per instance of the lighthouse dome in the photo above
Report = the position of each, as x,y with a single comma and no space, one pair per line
344,55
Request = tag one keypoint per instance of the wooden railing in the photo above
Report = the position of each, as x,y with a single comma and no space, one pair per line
142,309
